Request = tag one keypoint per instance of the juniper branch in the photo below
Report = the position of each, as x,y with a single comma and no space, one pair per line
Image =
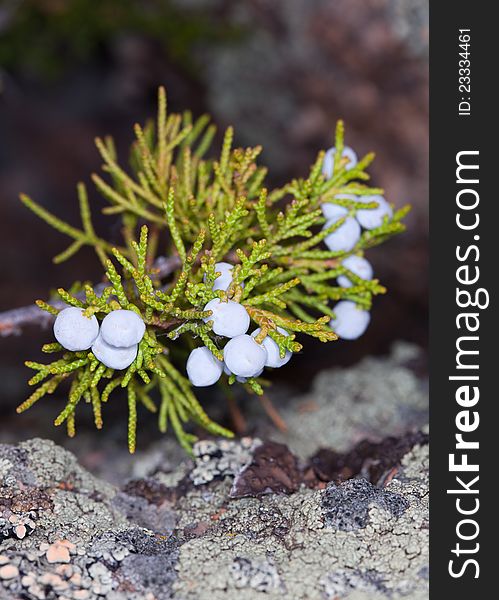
203,212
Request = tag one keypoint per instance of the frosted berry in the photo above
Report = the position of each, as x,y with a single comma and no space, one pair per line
328,164
113,357
345,237
122,328
230,319
203,368
240,379
223,281
359,266
74,331
245,379
350,322
370,218
274,359
244,357
332,212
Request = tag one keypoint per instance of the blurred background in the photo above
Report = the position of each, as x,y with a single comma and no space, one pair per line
280,71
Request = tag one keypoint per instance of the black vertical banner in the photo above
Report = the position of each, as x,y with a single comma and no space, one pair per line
464,212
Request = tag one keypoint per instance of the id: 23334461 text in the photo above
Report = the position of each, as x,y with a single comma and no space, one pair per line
464,81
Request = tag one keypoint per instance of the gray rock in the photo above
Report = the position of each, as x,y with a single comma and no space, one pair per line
343,582
346,506
66,534
82,538
262,575
217,459
379,396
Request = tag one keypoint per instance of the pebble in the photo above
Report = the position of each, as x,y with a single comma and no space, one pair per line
28,580
76,579
58,552
64,570
54,581
8,572
20,531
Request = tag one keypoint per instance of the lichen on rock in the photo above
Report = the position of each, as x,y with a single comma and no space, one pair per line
246,518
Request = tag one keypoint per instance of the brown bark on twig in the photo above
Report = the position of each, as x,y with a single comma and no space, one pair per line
273,413
12,322
236,415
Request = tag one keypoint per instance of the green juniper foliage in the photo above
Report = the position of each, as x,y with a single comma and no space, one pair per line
196,211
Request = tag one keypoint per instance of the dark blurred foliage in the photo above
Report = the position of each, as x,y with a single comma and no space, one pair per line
45,38
280,71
